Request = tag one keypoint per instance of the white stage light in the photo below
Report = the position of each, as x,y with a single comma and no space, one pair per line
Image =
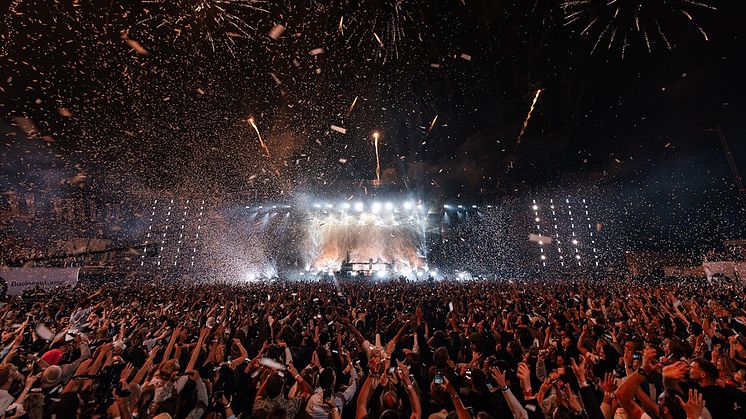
407,205
447,206
574,241
358,206
376,207
460,206
346,205
389,206
535,207
316,205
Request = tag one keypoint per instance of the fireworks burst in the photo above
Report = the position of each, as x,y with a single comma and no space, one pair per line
382,24
615,23
218,21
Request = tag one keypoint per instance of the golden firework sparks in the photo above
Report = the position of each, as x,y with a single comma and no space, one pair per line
261,142
378,160
378,39
432,124
528,117
354,101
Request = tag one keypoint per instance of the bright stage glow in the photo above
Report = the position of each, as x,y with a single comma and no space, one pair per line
346,205
390,237
407,205
535,207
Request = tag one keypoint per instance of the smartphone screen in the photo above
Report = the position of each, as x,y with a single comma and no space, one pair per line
438,378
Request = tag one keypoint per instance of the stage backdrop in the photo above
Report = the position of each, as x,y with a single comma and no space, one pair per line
18,279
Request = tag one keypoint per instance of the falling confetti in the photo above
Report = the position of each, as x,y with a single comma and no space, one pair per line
339,129
276,32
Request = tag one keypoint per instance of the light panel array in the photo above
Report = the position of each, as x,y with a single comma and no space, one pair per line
173,233
570,236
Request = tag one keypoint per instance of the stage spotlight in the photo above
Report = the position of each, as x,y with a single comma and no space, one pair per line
574,241
389,206
473,206
577,257
329,206
346,205
535,207
460,207
358,206
376,208
543,257
407,205
447,206
316,205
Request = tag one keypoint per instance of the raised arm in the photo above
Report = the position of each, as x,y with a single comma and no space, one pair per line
361,410
457,403
197,348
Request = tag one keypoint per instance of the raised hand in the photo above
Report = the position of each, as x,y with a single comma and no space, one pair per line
499,376
694,406
524,374
649,360
126,372
578,369
609,383
676,371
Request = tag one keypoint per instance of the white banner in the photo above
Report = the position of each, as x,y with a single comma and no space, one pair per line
18,279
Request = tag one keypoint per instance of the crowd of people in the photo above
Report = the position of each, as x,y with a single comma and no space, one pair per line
357,349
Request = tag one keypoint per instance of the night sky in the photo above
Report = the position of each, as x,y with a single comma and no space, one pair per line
156,95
